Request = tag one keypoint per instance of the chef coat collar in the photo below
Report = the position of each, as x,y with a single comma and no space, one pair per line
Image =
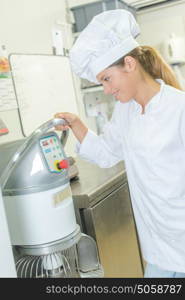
153,102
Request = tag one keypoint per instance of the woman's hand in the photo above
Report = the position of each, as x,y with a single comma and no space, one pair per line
77,126
68,117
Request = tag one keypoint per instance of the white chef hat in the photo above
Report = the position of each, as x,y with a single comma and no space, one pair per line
108,37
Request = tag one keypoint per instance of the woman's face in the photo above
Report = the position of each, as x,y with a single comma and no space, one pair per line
119,81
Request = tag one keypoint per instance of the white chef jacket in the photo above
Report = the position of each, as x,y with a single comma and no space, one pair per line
152,146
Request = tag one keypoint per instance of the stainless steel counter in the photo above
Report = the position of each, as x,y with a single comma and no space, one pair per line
104,211
95,183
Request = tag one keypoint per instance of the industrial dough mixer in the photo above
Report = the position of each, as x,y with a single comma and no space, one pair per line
46,240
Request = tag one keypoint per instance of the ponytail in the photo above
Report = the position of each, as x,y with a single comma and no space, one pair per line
153,64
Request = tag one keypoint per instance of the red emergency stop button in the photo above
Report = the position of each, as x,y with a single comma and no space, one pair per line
63,164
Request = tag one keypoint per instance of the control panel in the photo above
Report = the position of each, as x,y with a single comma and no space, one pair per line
52,151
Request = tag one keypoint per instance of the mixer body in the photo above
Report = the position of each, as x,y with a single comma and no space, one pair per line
38,196
40,211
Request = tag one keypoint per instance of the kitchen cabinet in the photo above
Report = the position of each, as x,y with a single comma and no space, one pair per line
104,211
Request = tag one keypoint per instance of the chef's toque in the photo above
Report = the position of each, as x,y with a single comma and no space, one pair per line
108,37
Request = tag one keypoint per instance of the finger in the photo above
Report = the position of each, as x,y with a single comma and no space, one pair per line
62,127
59,116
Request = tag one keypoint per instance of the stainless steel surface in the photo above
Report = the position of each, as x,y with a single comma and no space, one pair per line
64,137
111,223
95,183
30,173
24,146
72,170
41,217
88,258
74,256
23,169
58,264
104,211
52,247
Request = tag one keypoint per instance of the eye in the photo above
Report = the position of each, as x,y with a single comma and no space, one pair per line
107,78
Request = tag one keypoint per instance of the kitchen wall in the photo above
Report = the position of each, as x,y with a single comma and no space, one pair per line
158,23
25,27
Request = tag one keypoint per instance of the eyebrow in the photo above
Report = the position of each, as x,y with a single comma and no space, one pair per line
102,77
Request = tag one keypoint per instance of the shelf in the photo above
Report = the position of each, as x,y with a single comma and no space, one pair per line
76,34
92,89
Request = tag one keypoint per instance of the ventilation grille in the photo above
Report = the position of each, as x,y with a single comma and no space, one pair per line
139,4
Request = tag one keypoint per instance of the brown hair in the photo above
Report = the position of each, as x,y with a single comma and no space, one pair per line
153,64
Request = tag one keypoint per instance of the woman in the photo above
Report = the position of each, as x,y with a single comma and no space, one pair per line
147,131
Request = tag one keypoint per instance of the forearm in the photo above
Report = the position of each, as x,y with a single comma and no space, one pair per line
95,149
79,130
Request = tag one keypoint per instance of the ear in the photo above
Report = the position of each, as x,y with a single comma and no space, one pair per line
130,63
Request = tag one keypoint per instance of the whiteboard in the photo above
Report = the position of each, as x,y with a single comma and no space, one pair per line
43,85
